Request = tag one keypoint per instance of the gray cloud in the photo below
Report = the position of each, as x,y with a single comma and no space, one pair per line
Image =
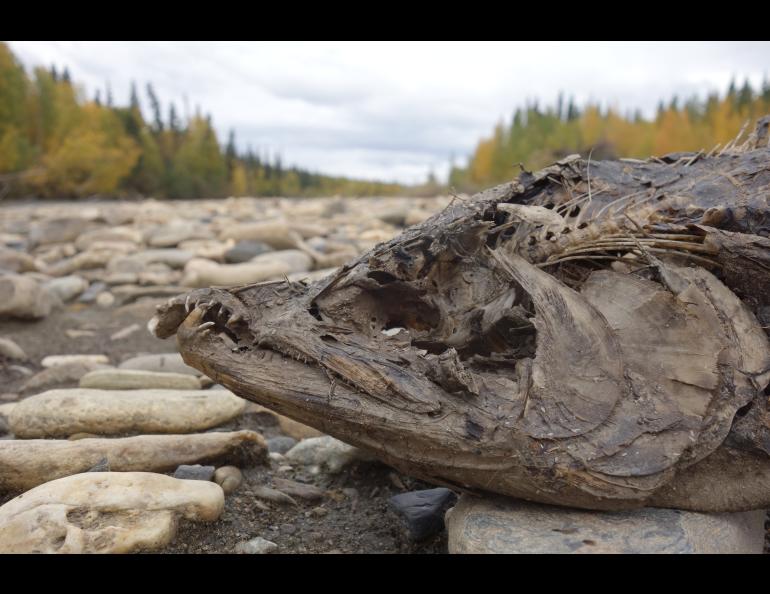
392,110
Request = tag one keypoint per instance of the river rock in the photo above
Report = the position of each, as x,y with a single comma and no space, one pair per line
277,234
93,258
256,546
59,413
243,251
165,362
89,295
16,261
56,360
11,350
105,512
501,525
59,376
139,261
280,444
125,332
203,273
66,288
30,462
22,297
194,472
57,230
110,235
324,452
422,512
105,299
229,478
134,379
175,233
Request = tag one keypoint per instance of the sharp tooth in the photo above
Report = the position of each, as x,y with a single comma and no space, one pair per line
187,304
233,319
204,326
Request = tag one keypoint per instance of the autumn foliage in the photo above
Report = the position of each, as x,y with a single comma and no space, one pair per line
56,143
537,137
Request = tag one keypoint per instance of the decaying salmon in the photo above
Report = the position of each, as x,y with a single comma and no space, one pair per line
594,335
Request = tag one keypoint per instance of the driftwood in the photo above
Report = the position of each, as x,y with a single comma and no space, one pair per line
587,335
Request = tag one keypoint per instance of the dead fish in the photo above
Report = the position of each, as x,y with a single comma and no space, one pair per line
606,355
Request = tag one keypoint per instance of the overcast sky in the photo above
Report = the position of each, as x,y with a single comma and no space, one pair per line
391,110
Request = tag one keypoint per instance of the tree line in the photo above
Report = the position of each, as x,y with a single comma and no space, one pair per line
56,143
537,136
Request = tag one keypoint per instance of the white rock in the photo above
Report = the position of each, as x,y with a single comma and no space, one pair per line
26,463
325,452
277,233
203,273
11,350
59,413
125,332
134,379
105,512
105,299
23,297
229,478
66,287
256,546
55,360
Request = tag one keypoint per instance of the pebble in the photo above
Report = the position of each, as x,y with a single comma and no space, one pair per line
194,472
280,444
256,546
11,350
105,299
324,452
89,295
229,478
66,288
105,512
125,332
422,512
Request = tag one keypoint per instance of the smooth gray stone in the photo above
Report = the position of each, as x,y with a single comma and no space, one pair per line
243,251
89,295
280,444
501,525
195,472
256,546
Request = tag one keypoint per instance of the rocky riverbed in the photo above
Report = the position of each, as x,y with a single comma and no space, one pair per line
85,387
118,446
